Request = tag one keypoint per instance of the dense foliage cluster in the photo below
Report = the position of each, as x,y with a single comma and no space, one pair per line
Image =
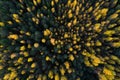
60,40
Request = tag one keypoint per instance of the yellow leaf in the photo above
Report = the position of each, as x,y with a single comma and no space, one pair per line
113,16
70,15
13,36
75,21
56,1
98,43
39,77
47,32
20,60
50,74
36,45
13,55
28,33
88,44
109,32
29,46
116,44
47,58
90,9
98,17
33,65
104,11
30,59
53,10
25,54
66,35
22,41
62,71
6,76
70,49
74,3
52,40
15,16
57,77
1,67
43,40
67,65
64,78
52,3
9,22
2,24
34,2
22,48
28,9
38,1
23,72
71,57
107,71
97,27
69,24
